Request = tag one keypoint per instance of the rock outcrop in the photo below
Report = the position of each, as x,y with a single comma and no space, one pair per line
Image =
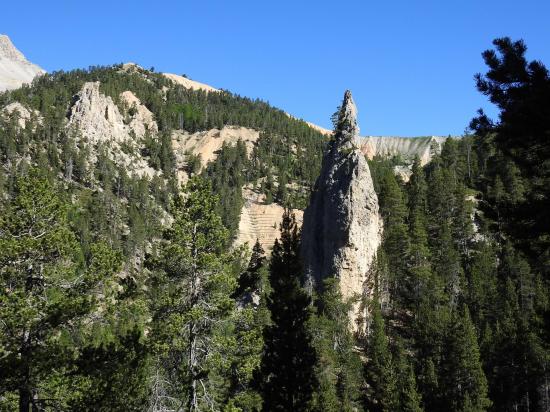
188,83
342,227
96,119
206,144
406,147
22,113
15,69
260,221
141,118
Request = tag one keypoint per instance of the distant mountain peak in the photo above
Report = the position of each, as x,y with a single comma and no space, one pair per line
15,69
8,50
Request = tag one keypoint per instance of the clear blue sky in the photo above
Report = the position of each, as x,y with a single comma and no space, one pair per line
409,63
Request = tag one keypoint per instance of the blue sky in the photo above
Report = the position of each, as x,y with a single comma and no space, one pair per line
409,63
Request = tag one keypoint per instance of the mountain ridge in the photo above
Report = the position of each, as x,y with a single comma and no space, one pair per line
15,69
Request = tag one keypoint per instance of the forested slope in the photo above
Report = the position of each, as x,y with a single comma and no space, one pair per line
120,290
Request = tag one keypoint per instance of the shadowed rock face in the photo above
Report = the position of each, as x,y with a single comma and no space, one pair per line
342,226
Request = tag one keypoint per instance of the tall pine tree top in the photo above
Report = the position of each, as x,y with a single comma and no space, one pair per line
287,365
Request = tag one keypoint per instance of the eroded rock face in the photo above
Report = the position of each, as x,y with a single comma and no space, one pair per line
407,147
15,69
206,144
342,226
142,120
261,221
190,84
22,113
96,120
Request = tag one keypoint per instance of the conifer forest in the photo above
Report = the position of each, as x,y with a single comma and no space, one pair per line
123,286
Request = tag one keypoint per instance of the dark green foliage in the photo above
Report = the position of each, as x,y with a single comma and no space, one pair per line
227,174
463,383
191,286
338,366
407,398
250,320
461,315
286,372
395,238
250,281
111,376
50,300
381,393
514,178
44,287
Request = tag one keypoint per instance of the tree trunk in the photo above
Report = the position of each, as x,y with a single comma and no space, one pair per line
192,355
24,391
193,401
24,399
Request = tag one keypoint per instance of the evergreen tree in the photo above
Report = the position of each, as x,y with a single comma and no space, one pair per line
338,366
191,287
420,274
409,398
463,382
287,377
395,238
45,290
250,320
381,394
250,281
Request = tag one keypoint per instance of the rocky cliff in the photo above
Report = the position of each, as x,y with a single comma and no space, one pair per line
21,113
260,221
190,84
15,69
406,147
96,120
342,227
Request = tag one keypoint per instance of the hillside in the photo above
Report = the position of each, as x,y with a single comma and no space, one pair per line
182,115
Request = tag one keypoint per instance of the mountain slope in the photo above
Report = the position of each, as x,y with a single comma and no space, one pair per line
15,69
149,121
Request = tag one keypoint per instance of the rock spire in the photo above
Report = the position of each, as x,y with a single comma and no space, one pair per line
342,226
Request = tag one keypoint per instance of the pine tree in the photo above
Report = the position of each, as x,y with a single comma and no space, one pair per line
287,377
380,376
250,280
45,290
409,398
481,293
250,320
396,239
463,382
191,287
420,274
338,366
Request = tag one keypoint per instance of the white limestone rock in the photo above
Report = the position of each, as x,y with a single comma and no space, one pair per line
260,221
190,84
406,147
15,69
23,114
141,118
207,144
342,226
95,119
